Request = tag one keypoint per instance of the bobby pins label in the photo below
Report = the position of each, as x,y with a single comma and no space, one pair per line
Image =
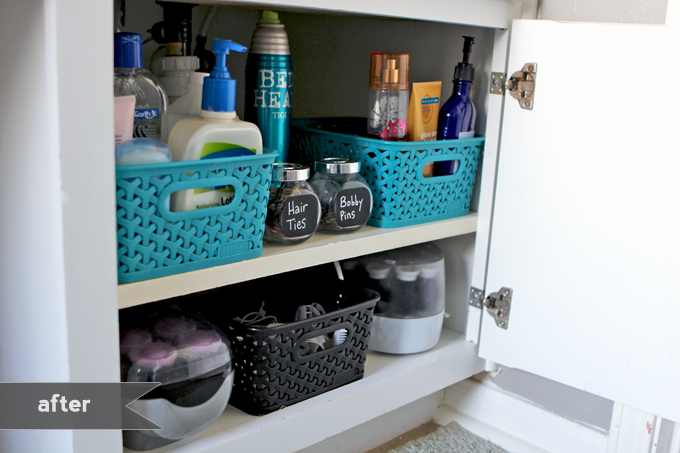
352,207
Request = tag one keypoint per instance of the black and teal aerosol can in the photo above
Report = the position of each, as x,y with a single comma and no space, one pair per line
269,83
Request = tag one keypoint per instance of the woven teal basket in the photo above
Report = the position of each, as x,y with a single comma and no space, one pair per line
402,196
154,242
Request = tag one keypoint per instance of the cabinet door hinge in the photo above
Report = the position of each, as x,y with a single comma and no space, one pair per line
497,304
521,85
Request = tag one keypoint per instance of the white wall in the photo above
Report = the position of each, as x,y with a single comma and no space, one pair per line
619,11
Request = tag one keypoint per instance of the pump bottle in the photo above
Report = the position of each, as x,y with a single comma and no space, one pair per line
458,115
215,133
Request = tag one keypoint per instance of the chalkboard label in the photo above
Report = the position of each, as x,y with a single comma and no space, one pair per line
300,215
352,207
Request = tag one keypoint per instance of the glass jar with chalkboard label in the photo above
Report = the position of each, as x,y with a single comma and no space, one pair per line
346,199
293,210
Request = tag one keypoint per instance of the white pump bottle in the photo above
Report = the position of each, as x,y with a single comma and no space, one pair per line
216,133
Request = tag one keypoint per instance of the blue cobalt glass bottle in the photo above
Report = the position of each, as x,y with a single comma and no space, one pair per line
458,115
269,84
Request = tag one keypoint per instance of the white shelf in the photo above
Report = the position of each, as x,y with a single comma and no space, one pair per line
390,381
320,249
483,13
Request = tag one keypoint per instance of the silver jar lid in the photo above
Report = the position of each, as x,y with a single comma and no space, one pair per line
284,171
336,165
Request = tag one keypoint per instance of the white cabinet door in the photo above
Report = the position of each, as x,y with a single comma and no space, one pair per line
586,226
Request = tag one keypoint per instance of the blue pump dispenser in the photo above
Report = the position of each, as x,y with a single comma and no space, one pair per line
219,90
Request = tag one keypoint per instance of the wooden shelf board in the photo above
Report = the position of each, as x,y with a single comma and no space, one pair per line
483,13
319,249
390,381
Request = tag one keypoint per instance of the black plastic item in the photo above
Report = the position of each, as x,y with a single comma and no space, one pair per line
464,70
192,392
271,373
176,25
205,57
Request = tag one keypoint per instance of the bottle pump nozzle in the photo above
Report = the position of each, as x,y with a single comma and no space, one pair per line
219,89
465,71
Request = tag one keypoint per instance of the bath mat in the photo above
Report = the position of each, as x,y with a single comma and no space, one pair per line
451,438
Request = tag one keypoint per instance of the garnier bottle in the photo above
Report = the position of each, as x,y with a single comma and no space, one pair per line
269,83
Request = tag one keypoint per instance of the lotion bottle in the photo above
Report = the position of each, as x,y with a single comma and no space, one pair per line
215,133
458,115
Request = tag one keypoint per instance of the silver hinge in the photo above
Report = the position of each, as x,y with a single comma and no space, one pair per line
521,85
497,304
476,297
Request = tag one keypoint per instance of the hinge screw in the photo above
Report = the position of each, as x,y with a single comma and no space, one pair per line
502,323
530,68
496,82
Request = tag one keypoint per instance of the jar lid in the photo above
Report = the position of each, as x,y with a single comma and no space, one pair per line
336,165
284,171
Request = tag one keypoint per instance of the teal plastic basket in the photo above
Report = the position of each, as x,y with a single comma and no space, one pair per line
154,242
402,196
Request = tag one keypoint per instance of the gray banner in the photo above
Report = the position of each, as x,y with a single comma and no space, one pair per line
66,405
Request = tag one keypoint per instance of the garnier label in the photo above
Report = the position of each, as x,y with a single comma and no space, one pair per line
216,150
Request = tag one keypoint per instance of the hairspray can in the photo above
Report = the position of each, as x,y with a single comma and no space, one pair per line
269,84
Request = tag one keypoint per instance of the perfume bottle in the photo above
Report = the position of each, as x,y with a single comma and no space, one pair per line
388,95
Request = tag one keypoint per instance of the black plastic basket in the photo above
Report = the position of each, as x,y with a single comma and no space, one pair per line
270,371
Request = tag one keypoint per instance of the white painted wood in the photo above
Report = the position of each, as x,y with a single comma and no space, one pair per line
458,258
32,296
514,423
84,54
494,108
632,430
615,11
382,429
673,13
585,225
636,431
663,436
485,13
530,9
319,249
674,442
390,382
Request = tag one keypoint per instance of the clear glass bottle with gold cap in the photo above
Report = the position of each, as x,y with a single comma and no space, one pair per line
388,95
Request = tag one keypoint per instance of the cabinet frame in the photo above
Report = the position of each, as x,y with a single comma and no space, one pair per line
81,120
